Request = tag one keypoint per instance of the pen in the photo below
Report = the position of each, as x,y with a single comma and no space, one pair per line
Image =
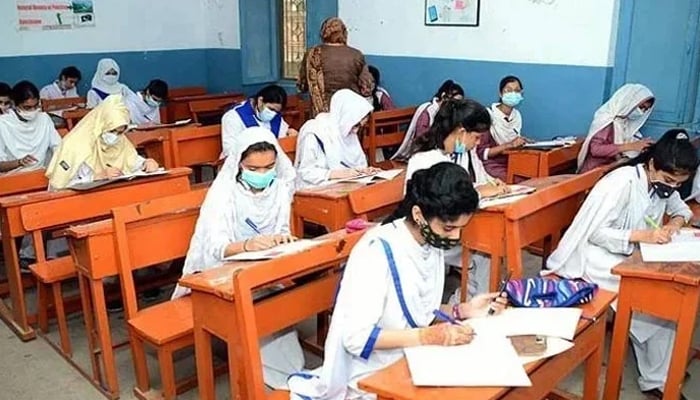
501,288
592,319
345,165
444,317
252,225
651,222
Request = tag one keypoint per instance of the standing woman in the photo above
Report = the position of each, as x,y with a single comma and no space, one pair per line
97,148
28,137
625,208
328,146
614,132
332,66
105,82
393,283
506,125
246,209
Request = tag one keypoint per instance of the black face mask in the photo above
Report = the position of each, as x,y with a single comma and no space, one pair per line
436,240
663,190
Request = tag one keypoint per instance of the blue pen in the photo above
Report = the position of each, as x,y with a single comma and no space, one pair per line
252,225
345,165
445,318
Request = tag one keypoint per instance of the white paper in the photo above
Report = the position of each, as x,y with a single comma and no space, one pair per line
183,121
367,179
517,192
550,143
685,246
555,322
159,171
275,252
555,346
485,362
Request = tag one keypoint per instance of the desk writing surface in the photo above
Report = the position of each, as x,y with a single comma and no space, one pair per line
687,273
538,183
338,190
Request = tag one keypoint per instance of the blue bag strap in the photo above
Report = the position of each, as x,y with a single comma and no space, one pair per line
397,283
320,144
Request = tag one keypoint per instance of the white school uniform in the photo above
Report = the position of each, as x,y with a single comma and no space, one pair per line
52,92
480,268
19,139
232,124
368,303
139,111
404,150
100,88
598,240
326,143
228,214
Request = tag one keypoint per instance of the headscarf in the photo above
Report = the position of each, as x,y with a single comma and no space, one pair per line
615,112
333,129
98,81
504,129
83,144
228,206
334,31
20,138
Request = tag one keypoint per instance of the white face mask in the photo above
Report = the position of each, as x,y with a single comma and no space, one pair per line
152,103
109,138
111,79
28,115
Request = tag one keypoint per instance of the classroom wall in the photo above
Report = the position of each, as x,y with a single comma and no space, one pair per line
185,43
563,51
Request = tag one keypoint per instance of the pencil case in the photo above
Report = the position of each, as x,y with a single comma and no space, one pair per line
355,225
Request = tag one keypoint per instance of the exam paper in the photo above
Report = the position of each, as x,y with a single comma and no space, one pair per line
277,251
366,179
555,322
685,246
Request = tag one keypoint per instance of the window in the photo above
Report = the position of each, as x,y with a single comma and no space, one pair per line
293,37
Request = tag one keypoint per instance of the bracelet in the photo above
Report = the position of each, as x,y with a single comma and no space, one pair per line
245,242
455,312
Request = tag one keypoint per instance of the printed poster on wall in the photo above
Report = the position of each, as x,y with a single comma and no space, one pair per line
47,15
452,12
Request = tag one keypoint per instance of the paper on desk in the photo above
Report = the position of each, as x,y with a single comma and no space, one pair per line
485,362
277,251
517,192
367,179
685,246
550,143
556,322
102,182
555,346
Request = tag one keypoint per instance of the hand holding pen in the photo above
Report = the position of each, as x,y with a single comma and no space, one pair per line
449,333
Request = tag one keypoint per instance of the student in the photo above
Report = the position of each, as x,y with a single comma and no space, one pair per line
144,106
264,109
506,125
620,212
453,138
64,87
105,82
27,135
328,146
5,100
614,132
392,283
97,148
246,209
380,99
424,115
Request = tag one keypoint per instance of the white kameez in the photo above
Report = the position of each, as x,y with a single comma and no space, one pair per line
598,240
52,92
504,128
18,139
368,303
222,220
480,266
232,125
326,143
139,111
404,150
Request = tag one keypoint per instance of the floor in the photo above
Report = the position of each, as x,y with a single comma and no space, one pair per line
35,371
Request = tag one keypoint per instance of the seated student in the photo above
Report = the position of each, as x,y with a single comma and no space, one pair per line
380,99
246,209
5,100
393,281
27,135
97,149
328,146
64,87
105,82
453,138
614,132
425,113
506,125
264,109
144,106
619,213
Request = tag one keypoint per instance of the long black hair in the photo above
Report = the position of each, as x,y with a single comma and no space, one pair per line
374,71
453,114
273,94
443,191
672,153
448,89
23,91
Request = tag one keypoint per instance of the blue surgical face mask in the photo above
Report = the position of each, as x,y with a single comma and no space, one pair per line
512,99
258,180
460,148
636,114
266,115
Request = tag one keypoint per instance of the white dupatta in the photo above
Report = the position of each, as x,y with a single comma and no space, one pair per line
19,138
404,150
505,128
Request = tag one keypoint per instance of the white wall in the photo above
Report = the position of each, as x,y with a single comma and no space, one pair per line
130,25
570,32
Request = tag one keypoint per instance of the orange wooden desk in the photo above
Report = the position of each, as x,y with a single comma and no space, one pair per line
531,163
503,231
394,382
214,312
20,215
333,205
178,108
23,182
670,291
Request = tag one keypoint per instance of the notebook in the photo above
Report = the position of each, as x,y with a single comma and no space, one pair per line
386,175
684,247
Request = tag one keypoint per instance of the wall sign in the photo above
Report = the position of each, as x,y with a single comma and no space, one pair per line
452,12
43,15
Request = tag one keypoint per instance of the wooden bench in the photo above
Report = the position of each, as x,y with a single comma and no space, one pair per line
296,112
72,117
386,129
23,182
48,105
223,306
212,109
178,106
197,148
185,91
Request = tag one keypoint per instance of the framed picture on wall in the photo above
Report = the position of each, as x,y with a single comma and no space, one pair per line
452,12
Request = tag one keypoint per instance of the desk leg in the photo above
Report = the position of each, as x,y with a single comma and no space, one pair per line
88,316
205,362
297,225
618,345
683,342
514,252
16,318
104,335
464,281
593,365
